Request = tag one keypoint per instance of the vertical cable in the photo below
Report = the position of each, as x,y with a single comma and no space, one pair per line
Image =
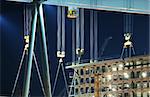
63,29
24,19
77,32
56,77
65,79
91,34
95,36
18,73
82,28
73,40
58,27
39,75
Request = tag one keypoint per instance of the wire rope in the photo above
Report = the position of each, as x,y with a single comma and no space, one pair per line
95,36
39,75
82,28
73,40
18,73
91,34
63,28
65,79
58,28
56,77
77,32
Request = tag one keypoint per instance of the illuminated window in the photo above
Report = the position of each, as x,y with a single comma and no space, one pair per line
120,66
145,84
144,74
87,71
109,77
138,85
138,62
126,75
126,86
127,64
114,68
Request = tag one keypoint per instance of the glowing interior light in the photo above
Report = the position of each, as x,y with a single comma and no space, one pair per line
113,89
120,65
72,12
114,68
126,85
126,75
127,63
110,95
109,77
138,62
110,87
144,74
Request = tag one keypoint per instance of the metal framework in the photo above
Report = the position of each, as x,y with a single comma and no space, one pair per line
47,84
112,78
134,6
95,79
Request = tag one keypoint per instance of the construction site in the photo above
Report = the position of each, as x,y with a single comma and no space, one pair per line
63,49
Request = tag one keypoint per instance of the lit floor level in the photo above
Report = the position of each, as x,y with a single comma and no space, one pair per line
129,77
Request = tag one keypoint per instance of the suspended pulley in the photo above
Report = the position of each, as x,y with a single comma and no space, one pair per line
73,12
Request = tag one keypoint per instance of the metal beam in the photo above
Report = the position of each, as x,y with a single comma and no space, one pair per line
30,57
130,6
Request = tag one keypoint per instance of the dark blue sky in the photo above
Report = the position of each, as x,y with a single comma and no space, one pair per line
11,39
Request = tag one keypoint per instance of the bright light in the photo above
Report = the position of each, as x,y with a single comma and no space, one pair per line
114,68
127,64
110,87
120,65
144,74
109,77
126,75
138,62
113,89
110,95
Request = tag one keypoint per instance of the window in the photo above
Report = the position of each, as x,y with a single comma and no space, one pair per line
82,81
81,72
92,89
82,90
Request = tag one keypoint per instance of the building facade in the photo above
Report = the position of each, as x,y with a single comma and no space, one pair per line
129,77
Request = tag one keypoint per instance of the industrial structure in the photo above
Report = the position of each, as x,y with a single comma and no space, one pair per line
128,76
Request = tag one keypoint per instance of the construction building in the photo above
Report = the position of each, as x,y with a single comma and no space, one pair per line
129,77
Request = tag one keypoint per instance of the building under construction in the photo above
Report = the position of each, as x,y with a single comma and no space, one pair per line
126,76
129,77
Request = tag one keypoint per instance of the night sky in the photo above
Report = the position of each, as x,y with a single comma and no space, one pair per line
12,43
